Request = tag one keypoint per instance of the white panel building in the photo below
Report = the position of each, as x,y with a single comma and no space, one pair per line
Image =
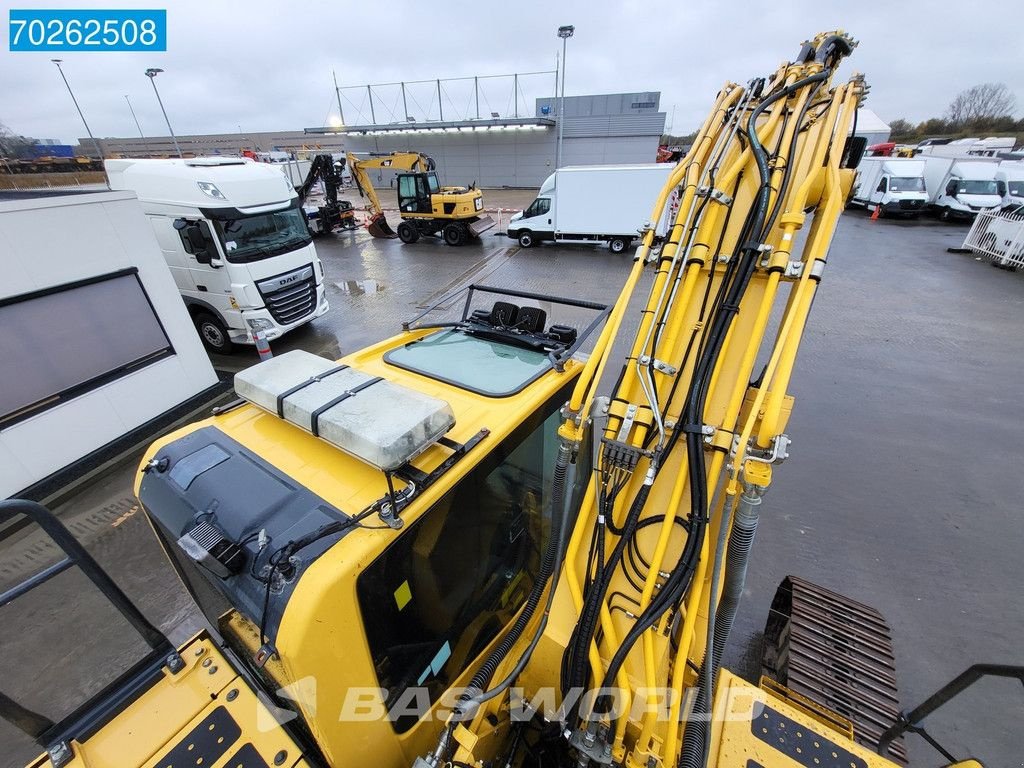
94,338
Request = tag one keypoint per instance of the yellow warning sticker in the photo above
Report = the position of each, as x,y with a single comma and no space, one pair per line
403,595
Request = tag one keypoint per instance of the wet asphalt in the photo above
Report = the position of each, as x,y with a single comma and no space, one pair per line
902,490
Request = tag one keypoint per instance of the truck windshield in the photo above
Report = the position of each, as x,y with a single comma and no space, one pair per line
976,187
906,184
1016,188
251,238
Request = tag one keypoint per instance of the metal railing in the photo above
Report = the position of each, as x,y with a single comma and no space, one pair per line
999,236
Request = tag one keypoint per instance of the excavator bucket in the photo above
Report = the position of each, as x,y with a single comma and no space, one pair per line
378,227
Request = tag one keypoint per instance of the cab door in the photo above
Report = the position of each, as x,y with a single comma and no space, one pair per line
174,253
413,193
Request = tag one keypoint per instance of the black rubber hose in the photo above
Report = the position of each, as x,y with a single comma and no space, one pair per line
695,735
587,624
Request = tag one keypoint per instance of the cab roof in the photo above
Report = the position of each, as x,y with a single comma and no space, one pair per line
230,182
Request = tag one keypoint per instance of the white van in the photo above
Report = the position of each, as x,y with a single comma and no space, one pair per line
893,184
1010,182
236,240
959,187
593,204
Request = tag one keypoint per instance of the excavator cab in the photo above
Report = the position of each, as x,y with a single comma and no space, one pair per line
414,191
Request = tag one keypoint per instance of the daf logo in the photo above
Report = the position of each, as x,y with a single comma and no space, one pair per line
291,279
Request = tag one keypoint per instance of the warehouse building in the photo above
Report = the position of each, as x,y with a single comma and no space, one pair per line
292,142
520,151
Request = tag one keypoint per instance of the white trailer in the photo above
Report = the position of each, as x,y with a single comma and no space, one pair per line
895,185
593,204
1010,182
959,187
235,237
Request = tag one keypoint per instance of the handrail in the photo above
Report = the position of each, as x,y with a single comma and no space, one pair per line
911,721
75,555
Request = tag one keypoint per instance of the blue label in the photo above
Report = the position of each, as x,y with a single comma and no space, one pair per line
87,30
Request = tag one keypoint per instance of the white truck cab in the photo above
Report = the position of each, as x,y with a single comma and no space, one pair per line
959,187
236,241
894,185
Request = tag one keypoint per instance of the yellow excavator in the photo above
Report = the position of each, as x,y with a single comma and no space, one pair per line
426,208
449,549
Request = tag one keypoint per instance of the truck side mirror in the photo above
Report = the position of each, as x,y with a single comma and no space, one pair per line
1001,188
951,188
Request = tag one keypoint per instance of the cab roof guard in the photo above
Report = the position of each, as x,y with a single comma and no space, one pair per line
97,710
468,323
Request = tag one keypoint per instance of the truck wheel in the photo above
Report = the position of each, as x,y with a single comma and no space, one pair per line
454,234
618,244
407,233
213,333
945,214
526,239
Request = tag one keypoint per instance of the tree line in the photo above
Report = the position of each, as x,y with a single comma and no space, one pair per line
983,110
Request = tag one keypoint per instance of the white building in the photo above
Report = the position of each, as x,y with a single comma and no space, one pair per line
95,339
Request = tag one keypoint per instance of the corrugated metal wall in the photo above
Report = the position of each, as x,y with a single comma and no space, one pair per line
508,158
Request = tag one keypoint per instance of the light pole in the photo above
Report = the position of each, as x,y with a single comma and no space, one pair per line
141,134
151,73
565,33
99,152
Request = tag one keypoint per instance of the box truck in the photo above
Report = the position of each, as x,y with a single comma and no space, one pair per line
959,187
894,185
593,204
236,240
1010,182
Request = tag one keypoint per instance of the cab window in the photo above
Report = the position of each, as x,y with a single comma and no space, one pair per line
407,186
434,600
538,207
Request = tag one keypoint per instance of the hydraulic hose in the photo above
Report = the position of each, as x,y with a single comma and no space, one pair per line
741,541
588,621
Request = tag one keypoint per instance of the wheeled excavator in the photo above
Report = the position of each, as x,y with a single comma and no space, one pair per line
451,549
426,207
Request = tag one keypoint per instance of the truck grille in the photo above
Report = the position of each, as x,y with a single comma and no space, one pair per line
910,205
290,298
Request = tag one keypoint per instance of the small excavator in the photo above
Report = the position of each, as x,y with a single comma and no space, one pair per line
449,550
425,207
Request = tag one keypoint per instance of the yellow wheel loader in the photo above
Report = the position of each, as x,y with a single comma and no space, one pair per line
450,549
425,207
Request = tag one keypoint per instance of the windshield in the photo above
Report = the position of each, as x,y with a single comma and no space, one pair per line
1016,188
906,184
267,234
976,187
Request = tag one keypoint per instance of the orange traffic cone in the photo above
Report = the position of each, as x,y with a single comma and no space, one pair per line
874,214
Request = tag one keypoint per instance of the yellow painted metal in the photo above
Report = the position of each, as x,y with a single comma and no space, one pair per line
160,718
321,641
451,203
807,132
321,636
740,733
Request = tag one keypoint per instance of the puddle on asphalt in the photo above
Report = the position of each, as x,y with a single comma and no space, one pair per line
359,287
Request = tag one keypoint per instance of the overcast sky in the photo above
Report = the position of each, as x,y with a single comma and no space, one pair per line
263,65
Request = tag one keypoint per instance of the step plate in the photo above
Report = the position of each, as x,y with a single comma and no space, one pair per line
836,652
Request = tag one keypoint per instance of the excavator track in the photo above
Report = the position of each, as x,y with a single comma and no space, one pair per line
837,653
